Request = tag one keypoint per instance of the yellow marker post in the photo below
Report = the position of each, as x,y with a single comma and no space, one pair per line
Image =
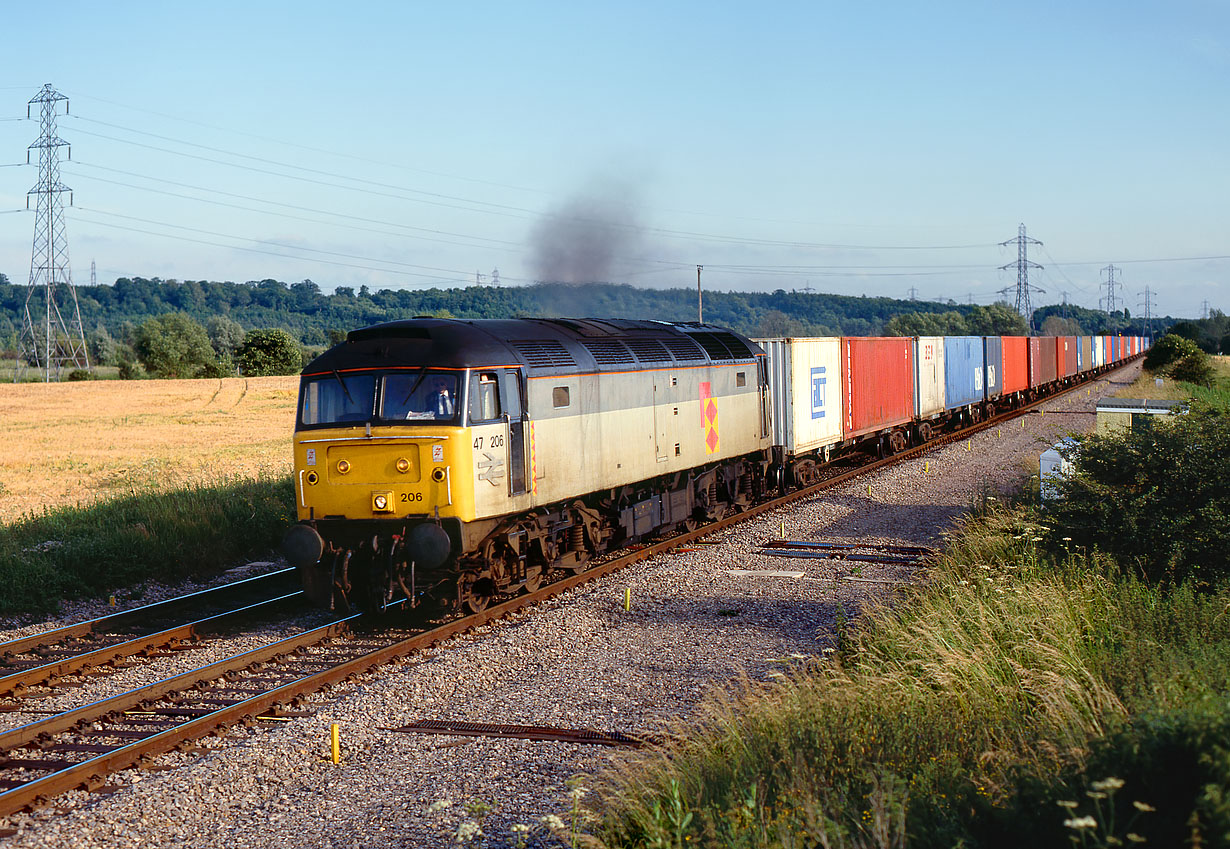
868,490
627,598
969,445
927,468
111,601
783,529
335,739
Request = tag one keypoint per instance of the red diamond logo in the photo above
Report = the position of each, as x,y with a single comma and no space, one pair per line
711,411
712,441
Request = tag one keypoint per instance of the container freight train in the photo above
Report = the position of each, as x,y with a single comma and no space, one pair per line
462,460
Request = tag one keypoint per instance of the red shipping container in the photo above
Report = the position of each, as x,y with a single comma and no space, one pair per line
877,377
1016,363
1065,355
1042,368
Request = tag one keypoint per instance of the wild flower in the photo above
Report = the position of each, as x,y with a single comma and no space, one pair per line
1133,837
553,823
1081,823
467,832
1108,784
1067,804
439,805
1143,807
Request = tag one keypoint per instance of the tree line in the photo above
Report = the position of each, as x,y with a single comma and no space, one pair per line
114,314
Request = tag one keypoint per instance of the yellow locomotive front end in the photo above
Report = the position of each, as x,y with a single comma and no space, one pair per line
382,484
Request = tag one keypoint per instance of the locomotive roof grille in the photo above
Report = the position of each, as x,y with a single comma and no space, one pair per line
648,350
608,352
543,353
722,346
683,348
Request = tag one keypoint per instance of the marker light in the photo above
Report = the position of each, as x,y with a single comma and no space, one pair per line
403,465
343,466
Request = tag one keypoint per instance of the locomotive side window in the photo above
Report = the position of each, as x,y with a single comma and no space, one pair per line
422,395
741,378
560,397
338,399
484,397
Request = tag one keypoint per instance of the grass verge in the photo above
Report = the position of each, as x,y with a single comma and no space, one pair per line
150,536
1007,684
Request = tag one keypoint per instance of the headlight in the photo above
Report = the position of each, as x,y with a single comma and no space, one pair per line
382,502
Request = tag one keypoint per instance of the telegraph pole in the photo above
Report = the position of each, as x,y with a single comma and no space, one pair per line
1023,265
51,343
700,312
1111,283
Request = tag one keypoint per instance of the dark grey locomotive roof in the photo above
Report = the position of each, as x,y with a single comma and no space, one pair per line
542,345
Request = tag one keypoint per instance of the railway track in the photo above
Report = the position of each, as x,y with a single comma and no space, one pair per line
81,747
40,662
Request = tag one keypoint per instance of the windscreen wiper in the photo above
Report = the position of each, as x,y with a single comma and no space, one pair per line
417,382
343,385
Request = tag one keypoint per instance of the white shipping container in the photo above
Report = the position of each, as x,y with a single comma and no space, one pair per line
805,387
1099,352
928,376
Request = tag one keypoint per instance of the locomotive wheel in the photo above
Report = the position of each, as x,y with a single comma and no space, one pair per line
475,603
533,582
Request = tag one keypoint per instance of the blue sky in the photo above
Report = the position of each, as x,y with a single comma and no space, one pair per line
852,148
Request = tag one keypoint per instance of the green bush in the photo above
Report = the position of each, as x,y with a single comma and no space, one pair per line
266,352
80,374
173,345
1170,349
1157,497
1194,368
130,371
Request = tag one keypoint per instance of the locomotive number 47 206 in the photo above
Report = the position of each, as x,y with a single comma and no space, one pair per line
497,441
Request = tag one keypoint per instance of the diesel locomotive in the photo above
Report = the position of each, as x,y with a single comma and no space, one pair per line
461,460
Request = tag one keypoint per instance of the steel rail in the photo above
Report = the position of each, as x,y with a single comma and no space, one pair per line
132,615
16,682
91,772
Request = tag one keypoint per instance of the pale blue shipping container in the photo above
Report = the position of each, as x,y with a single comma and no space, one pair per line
964,371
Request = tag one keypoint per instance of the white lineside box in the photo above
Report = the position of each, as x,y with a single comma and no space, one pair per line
1052,465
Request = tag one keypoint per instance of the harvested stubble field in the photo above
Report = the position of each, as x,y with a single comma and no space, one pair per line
76,443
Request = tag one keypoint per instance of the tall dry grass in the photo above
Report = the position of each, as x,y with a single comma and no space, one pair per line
930,718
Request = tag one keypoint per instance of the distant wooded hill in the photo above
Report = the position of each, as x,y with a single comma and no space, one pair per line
303,310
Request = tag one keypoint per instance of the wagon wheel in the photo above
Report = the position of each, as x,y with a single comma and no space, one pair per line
897,442
925,432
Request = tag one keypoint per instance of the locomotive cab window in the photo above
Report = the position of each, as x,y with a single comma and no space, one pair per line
337,399
484,397
424,395
741,378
